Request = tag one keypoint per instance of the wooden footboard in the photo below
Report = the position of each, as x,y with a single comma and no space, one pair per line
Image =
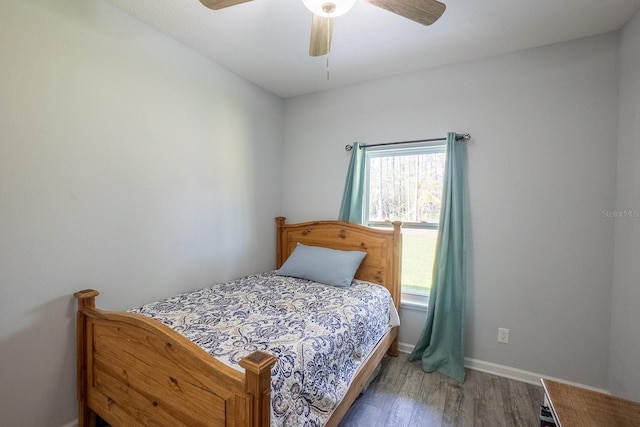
132,370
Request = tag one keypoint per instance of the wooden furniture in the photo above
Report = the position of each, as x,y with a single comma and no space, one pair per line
133,370
578,407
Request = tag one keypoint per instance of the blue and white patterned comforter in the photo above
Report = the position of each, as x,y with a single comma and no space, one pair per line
319,334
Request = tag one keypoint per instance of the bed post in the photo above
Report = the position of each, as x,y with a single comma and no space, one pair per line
257,367
397,275
86,300
279,243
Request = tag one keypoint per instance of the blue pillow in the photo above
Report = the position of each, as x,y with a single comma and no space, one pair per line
329,266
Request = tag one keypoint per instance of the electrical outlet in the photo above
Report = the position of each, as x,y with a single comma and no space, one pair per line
503,335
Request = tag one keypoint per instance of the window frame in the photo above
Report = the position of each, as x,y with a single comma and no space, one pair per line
408,298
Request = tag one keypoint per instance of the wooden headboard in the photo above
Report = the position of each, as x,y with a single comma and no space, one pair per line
383,247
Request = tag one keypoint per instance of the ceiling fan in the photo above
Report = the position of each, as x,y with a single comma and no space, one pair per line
424,12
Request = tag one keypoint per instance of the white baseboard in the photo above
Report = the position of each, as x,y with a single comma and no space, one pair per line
73,423
403,347
507,371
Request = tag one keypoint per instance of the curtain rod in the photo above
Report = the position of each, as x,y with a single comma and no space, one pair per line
459,137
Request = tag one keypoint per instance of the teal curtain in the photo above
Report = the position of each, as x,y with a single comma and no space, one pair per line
441,344
351,206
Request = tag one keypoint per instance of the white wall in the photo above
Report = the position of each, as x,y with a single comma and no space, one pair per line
541,171
128,164
625,315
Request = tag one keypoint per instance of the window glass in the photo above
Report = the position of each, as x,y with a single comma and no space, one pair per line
406,185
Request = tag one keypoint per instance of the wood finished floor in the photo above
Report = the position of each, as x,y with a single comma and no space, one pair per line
404,395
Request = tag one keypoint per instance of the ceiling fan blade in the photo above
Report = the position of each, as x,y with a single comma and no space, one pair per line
221,4
321,31
424,12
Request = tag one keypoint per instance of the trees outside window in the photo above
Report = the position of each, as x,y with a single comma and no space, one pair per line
406,185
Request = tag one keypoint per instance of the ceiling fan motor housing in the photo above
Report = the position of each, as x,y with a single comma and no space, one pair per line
332,8
329,8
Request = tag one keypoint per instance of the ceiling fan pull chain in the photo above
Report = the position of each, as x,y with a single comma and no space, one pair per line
328,42
327,67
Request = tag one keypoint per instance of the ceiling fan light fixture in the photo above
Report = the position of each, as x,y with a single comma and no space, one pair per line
329,7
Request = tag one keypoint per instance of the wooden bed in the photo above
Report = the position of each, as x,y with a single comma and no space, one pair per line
133,370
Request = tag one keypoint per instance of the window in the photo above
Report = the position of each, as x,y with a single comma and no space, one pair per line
406,185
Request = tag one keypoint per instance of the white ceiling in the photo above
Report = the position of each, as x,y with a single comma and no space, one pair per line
267,41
